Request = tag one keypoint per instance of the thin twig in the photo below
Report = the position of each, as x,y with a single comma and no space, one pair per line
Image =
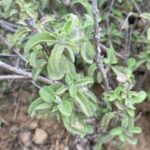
11,24
99,58
128,42
17,104
104,48
8,55
4,121
138,116
24,73
108,23
35,84
7,26
12,77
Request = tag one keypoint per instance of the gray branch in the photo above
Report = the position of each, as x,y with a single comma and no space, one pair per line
12,77
99,58
24,73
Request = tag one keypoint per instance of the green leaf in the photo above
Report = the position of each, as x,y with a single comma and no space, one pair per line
36,60
33,106
136,130
85,81
106,138
92,69
70,67
57,63
90,95
72,90
6,4
47,94
138,97
122,138
86,105
139,63
127,72
116,131
43,106
37,39
111,57
36,71
70,79
119,105
132,140
131,62
125,121
33,58
141,96
71,27
88,22
87,52
68,126
148,65
76,125
148,34
57,100
65,108
59,88
71,54
18,34
130,112
99,77
145,16
106,120
38,105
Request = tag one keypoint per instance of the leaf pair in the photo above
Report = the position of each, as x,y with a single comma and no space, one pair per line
51,93
38,105
50,97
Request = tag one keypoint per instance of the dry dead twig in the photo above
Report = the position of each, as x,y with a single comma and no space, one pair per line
99,58
24,73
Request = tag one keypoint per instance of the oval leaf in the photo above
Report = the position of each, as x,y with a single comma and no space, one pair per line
37,39
116,131
65,108
87,52
57,63
86,105
47,94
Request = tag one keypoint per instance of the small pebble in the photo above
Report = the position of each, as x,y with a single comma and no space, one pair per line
25,137
40,136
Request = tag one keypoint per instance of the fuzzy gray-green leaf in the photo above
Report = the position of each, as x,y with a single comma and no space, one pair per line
37,39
